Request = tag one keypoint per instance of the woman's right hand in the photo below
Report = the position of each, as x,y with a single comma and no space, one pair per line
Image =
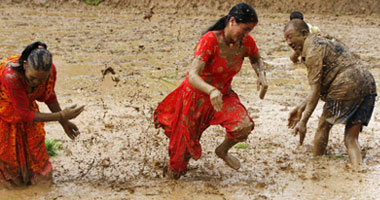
71,112
71,129
216,98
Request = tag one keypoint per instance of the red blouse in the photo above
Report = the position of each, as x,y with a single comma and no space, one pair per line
221,67
15,102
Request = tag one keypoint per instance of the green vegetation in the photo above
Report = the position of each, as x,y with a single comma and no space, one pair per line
334,156
338,156
242,146
94,2
169,76
52,147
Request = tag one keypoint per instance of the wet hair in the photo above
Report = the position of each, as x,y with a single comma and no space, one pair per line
38,58
242,12
298,24
296,15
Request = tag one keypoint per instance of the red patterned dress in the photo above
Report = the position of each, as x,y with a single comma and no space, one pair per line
187,112
23,154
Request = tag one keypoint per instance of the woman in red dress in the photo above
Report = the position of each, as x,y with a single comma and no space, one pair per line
23,80
206,98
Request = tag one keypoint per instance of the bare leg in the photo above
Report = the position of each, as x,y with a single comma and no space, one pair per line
43,179
321,137
351,141
222,152
173,175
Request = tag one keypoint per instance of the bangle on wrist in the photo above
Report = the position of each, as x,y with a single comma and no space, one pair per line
212,90
61,115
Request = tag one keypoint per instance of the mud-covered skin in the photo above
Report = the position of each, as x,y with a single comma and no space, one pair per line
341,75
338,78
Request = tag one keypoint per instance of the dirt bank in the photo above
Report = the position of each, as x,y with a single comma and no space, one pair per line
336,7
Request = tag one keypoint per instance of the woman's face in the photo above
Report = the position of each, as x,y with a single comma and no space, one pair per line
240,30
35,78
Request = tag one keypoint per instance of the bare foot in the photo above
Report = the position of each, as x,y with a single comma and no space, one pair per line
231,161
172,175
6,185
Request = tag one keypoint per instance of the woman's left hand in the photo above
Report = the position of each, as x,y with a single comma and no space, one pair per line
216,99
71,129
262,85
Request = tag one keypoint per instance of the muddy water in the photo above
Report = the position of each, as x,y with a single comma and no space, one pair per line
119,155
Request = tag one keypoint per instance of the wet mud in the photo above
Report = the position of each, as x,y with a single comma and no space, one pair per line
119,154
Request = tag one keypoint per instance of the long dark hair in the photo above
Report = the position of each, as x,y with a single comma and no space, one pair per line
38,58
242,12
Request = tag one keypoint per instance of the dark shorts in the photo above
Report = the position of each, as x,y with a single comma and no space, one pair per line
363,113
350,112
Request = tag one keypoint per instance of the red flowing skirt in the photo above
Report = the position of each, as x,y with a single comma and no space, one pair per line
187,112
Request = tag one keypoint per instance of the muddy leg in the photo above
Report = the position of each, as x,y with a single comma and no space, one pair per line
173,175
6,185
321,137
351,141
43,179
222,150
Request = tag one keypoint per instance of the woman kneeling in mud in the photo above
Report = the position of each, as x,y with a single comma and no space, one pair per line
205,97
24,79
338,78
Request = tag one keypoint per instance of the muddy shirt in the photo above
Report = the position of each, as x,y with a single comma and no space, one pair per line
341,75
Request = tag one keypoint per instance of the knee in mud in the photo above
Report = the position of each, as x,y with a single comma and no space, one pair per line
243,134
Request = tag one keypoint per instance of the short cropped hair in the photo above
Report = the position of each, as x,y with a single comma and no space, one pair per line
298,24
296,15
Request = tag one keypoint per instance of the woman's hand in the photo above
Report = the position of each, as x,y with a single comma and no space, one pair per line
262,85
71,112
71,129
216,99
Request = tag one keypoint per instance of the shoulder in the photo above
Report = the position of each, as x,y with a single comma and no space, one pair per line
11,76
209,36
249,38
314,29
313,43
248,41
208,42
53,72
8,72
53,68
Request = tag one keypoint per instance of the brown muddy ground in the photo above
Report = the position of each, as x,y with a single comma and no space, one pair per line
119,154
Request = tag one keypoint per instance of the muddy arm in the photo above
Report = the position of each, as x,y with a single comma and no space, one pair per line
309,106
258,65
195,79
311,102
302,105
